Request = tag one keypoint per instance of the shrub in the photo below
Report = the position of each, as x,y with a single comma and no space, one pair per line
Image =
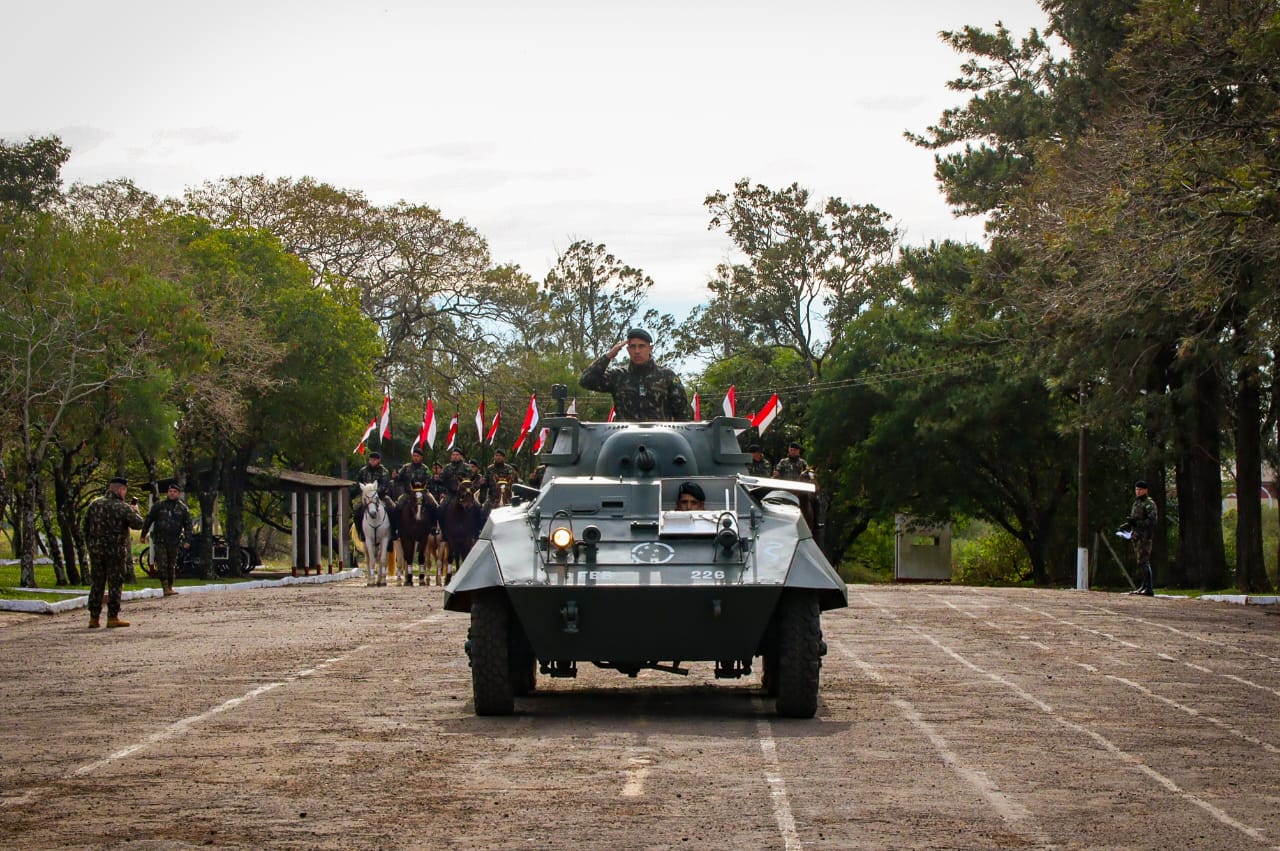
988,555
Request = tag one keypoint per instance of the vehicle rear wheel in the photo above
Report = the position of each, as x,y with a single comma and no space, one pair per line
491,679
799,654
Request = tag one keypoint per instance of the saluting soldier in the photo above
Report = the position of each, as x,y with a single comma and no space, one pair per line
106,535
170,519
758,465
642,389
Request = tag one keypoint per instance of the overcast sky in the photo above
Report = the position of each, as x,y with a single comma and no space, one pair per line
536,122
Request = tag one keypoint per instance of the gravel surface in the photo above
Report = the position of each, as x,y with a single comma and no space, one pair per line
339,716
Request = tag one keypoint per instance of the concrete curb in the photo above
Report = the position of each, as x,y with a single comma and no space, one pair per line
41,607
1242,599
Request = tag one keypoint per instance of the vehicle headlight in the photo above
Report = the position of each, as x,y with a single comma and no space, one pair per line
562,537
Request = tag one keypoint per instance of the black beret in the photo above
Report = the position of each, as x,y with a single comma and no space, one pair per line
1140,484
755,447
373,455
794,445
174,486
498,452
693,489
639,334
417,450
118,480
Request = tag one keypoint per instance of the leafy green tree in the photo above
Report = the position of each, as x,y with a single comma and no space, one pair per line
31,172
807,272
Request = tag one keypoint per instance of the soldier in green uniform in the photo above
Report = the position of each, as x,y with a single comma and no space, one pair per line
171,521
455,472
793,466
642,389
415,473
758,465
374,472
1142,525
106,535
500,477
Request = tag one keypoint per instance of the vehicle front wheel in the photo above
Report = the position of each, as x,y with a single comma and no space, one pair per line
491,684
799,654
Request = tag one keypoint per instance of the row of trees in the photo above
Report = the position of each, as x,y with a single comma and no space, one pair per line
1126,164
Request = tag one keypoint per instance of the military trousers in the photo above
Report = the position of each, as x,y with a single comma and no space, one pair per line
106,574
165,558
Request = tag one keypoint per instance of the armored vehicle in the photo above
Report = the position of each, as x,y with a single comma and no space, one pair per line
598,565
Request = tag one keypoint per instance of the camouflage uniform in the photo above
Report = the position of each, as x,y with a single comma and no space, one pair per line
454,473
170,520
412,474
760,468
1142,522
645,392
790,468
497,474
106,535
382,476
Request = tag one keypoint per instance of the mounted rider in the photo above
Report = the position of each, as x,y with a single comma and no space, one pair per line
415,473
455,472
374,472
500,477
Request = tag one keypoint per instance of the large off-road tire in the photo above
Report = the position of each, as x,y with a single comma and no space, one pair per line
491,680
799,654
524,665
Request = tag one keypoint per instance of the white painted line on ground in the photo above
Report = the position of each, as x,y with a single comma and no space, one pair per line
637,771
1234,647
1016,816
178,728
1102,741
777,786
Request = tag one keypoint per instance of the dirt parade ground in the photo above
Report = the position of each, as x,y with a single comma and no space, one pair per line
340,716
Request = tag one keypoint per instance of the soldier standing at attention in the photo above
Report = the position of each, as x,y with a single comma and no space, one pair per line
1142,523
793,466
642,390
171,520
758,465
106,535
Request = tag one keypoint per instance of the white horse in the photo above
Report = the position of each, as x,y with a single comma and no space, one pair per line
377,534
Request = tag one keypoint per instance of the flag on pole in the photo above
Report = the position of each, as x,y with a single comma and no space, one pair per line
427,434
493,429
730,404
530,421
453,432
697,408
613,412
766,415
368,431
541,441
384,424
480,422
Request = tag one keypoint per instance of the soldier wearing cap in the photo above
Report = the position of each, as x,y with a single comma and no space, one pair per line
793,466
415,473
375,472
500,477
455,472
171,521
106,535
642,389
1142,524
758,465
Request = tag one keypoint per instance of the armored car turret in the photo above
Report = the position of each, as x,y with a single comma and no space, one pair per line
600,566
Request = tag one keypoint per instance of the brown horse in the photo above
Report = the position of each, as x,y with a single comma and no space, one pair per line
417,514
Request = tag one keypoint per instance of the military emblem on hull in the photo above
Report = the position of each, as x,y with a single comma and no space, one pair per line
653,552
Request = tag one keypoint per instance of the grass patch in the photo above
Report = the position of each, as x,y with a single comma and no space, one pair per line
11,575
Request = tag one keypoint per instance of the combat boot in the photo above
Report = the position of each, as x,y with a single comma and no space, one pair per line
93,622
168,591
115,622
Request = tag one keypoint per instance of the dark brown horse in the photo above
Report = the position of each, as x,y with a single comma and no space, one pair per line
417,514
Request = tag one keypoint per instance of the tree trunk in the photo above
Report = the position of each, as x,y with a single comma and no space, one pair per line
65,510
26,505
51,539
1251,570
1200,546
